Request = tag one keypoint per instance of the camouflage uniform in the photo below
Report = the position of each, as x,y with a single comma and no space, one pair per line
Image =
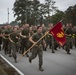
44,31
68,37
31,33
15,44
37,49
48,40
6,41
55,44
9,43
25,41
74,37
0,38
75,40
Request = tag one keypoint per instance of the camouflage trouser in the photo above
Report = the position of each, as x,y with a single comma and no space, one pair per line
37,50
24,46
6,43
9,48
0,42
71,42
55,45
48,43
67,45
75,41
15,47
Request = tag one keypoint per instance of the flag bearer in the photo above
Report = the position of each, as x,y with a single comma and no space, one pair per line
37,49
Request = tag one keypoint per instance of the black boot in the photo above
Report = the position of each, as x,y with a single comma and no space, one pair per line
27,55
15,60
30,61
40,68
10,55
68,51
15,57
0,47
53,51
44,49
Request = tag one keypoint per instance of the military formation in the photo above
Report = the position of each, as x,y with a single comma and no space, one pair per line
15,39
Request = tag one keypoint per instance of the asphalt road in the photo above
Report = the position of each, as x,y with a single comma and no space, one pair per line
58,63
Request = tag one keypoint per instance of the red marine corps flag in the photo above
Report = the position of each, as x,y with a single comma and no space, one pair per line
58,33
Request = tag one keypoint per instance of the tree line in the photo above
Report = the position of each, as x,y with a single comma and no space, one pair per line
33,12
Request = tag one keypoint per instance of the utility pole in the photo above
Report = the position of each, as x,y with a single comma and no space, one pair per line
8,15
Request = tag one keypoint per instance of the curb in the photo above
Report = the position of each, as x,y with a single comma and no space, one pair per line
11,65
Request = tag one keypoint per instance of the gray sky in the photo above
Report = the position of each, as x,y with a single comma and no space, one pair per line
4,4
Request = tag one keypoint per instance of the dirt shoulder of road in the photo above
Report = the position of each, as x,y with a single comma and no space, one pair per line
6,69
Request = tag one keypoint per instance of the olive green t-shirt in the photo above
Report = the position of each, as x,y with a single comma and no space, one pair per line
36,36
13,37
25,32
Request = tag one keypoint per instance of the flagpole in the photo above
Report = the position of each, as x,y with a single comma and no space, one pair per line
32,46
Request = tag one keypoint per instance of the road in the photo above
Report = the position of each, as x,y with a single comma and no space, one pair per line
58,63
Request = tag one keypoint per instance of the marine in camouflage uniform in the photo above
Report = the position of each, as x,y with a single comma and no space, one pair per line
14,39
75,40
31,32
25,39
44,31
37,49
6,41
48,40
10,30
74,36
53,44
68,45
0,38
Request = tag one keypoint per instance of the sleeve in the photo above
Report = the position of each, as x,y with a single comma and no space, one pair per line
34,36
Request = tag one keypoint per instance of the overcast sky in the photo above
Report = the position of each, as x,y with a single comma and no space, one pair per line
5,4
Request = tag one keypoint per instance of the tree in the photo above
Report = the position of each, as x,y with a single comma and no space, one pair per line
50,8
70,15
26,11
57,17
20,10
35,11
32,11
67,16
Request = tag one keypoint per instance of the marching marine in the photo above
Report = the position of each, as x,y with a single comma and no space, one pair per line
37,49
